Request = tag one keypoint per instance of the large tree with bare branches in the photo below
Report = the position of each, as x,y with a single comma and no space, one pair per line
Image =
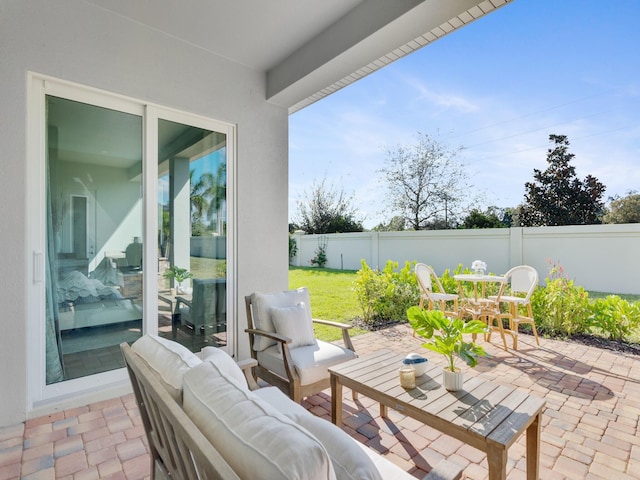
427,186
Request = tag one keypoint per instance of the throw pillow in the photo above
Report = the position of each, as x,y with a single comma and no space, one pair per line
293,322
262,302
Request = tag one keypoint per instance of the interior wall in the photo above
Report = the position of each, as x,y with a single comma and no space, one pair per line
76,41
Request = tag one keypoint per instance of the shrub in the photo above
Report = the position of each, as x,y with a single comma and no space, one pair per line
386,295
369,286
561,307
293,248
615,317
320,259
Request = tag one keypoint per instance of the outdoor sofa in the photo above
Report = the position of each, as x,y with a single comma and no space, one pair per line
205,418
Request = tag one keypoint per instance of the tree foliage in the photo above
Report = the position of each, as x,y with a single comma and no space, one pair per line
396,224
426,184
557,196
624,209
491,218
327,210
208,196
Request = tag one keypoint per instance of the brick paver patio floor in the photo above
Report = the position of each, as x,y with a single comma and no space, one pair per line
589,431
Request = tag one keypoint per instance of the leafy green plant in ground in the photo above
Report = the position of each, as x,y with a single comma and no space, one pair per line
561,308
386,295
615,317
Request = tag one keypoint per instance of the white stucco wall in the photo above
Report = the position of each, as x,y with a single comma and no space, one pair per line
76,41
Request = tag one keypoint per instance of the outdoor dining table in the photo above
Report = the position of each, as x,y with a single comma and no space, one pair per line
479,306
476,279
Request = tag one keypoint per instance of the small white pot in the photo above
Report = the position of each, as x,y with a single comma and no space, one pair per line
452,381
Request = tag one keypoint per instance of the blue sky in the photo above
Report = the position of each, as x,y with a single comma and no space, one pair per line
497,87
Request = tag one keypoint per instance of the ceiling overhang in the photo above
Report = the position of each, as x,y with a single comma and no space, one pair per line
307,49
372,35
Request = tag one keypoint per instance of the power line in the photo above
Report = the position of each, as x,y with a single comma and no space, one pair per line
546,146
537,112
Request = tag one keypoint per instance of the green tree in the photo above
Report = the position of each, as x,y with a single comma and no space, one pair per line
487,219
327,210
208,197
396,224
557,196
426,184
624,209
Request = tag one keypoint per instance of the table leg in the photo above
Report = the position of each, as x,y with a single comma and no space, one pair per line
336,400
533,448
383,410
497,460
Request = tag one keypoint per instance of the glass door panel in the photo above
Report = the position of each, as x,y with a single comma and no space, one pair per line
93,235
192,224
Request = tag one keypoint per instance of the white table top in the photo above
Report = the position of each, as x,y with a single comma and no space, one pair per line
472,277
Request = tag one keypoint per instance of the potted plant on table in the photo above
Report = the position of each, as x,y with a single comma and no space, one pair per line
179,275
445,337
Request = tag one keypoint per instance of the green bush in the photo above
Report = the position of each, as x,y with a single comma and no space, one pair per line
561,308
386,295
615,317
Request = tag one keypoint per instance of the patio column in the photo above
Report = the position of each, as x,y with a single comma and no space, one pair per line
180,212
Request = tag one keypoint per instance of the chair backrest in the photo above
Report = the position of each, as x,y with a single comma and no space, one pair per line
523,279
427,278
208,301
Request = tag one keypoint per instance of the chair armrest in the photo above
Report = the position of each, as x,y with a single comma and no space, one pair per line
272,335
247,366
445,470
345,331
180,300
332,324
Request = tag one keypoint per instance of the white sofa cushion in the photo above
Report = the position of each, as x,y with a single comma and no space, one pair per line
225,362
256,440
311,362
281,402
168,360
349,461
295,323
263,302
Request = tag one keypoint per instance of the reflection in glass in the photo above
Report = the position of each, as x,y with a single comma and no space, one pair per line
94,226
192,223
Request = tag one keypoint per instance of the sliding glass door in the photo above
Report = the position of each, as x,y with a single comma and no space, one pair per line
136,233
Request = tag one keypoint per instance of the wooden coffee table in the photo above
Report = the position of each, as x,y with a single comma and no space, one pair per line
485,415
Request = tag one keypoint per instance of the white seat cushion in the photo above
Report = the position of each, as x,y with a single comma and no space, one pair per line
349,461
311,362
256,440
509,298
263,302
281,402
168,360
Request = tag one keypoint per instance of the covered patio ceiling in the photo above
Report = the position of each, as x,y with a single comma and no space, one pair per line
307,49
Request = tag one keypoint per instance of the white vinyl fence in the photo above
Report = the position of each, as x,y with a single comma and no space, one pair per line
603,258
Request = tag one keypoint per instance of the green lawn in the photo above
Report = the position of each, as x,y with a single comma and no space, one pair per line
332,297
